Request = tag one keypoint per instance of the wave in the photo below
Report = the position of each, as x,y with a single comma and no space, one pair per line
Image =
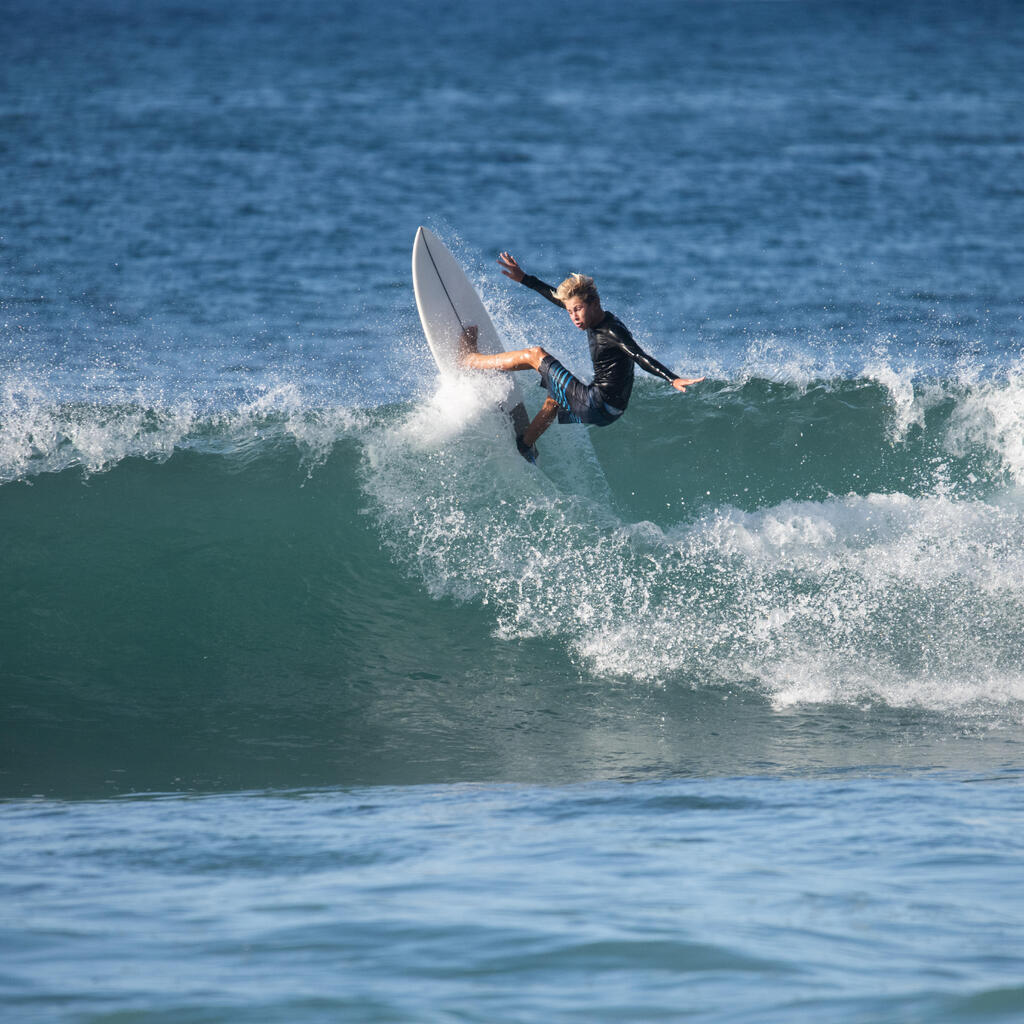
848,540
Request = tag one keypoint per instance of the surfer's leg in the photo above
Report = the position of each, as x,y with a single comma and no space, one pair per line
547,415
519,359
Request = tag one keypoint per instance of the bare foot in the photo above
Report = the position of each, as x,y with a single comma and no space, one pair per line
467,343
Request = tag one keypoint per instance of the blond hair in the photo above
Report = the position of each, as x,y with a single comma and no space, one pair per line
577,286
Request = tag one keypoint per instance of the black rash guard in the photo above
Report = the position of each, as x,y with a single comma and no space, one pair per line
612,351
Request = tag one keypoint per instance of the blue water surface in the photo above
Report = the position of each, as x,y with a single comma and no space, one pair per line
849,898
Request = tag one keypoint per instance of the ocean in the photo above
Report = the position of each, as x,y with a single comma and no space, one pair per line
319,703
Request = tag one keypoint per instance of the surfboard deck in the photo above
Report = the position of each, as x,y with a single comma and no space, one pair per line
448,303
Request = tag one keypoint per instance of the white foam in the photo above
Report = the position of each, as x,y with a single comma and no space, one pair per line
990,415
40,433
980,695
912,601
908,404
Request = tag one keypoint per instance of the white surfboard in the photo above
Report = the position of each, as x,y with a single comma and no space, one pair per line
448,304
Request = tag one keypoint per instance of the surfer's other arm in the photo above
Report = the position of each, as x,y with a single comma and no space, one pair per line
616,333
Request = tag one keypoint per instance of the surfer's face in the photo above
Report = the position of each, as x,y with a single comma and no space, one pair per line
583,314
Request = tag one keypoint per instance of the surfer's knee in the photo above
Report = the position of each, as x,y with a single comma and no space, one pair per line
536,356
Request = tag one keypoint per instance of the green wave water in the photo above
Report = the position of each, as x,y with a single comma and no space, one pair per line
346,592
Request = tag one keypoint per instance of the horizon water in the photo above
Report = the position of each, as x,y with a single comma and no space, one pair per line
320,704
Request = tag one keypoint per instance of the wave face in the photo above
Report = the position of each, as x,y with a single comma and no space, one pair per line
373,583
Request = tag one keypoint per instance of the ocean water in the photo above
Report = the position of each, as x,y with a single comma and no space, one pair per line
318,703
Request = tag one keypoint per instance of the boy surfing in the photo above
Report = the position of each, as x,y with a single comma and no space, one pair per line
613,353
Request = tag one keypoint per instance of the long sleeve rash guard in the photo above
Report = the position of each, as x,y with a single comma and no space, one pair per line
612,351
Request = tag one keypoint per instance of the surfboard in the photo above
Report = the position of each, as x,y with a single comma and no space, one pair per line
448,303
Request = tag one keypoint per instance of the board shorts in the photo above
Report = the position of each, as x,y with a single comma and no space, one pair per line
577,402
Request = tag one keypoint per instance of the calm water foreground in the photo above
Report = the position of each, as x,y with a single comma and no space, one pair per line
843,897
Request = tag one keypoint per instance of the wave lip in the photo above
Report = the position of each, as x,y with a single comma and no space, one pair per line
884,430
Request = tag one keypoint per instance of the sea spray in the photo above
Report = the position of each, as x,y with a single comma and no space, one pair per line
42,433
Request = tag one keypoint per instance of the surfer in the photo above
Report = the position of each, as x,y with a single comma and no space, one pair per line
612,351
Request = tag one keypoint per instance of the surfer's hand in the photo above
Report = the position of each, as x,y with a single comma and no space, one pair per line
682,383
510,268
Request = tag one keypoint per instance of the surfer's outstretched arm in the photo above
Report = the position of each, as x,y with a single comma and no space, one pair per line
510,268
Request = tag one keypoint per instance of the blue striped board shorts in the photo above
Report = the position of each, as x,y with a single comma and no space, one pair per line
578,402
